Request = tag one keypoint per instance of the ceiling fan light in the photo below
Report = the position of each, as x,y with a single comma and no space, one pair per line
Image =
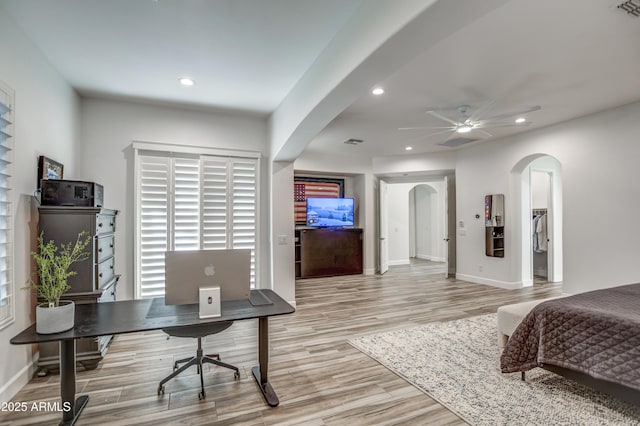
408,148
378,91
465,128
186,81
520,120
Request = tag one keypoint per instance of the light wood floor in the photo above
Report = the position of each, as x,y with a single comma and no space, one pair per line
319,377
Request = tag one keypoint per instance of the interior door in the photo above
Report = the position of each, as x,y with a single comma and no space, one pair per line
384,227
450,225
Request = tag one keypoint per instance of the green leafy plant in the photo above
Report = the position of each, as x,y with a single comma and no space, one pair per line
53,265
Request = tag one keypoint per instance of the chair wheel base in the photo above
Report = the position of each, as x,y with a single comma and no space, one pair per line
198,360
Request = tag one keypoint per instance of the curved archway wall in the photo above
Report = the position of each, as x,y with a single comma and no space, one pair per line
601,198
521,237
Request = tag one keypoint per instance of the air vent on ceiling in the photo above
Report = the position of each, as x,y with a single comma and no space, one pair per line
456,142
632,7
353,141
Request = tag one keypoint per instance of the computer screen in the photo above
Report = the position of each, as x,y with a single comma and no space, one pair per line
330,212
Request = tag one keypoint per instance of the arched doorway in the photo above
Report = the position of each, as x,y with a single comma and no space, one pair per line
538,182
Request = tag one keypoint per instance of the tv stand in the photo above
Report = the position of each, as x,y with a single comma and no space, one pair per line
323,252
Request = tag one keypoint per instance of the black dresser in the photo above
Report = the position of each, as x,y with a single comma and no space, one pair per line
96,280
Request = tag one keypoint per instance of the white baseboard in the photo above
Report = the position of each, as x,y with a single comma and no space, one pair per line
292,303
488,281
18,381
369,271
399,262
429,257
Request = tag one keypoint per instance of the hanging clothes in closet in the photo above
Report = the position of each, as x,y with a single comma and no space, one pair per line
539,226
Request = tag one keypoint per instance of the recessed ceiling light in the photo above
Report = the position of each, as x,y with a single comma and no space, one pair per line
185,81
378,91
520,120
408,148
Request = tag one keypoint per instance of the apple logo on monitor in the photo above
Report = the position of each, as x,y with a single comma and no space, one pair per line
210,270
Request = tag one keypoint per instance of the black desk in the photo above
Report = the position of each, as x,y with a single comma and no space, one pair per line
130,316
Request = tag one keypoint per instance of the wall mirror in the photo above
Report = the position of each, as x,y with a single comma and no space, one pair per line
494,225
494,210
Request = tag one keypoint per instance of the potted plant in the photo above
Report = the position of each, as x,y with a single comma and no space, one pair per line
53,263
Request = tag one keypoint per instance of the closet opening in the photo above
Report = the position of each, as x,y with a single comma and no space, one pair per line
540,200
541,219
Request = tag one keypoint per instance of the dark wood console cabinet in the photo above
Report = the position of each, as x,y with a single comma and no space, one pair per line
327,251
96,279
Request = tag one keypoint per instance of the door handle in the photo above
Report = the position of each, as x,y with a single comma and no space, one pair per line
446,239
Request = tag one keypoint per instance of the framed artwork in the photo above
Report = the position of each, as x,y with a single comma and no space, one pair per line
49,169
304,187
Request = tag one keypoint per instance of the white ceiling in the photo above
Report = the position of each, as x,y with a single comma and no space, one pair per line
243,54
571,57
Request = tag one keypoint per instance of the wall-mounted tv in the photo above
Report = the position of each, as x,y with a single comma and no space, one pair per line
329,212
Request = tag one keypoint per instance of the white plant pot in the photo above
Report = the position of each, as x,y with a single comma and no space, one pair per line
56,319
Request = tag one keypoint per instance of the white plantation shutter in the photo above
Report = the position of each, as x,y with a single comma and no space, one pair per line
186,204
153,222
191,202
243,207
214,212
7,304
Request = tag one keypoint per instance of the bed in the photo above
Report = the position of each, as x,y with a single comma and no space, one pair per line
592,337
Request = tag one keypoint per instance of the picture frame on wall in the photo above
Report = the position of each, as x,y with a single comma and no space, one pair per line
49,169
304,187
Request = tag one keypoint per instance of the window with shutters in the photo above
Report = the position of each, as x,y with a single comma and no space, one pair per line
191,202
7,304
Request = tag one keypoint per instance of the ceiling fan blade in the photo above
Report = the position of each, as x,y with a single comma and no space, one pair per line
430,135
512,114
478,113
482,132
442,117
427,127
491,125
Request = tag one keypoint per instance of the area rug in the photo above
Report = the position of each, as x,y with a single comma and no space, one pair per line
457,364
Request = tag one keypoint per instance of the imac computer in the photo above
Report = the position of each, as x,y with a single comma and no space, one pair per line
187,271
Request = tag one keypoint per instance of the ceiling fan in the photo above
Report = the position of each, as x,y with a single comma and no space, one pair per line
465,120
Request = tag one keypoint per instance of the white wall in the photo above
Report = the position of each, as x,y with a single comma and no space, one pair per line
431,224
598,155
282,207
108,129
422,232
539,190
398,215
442,162
46,123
